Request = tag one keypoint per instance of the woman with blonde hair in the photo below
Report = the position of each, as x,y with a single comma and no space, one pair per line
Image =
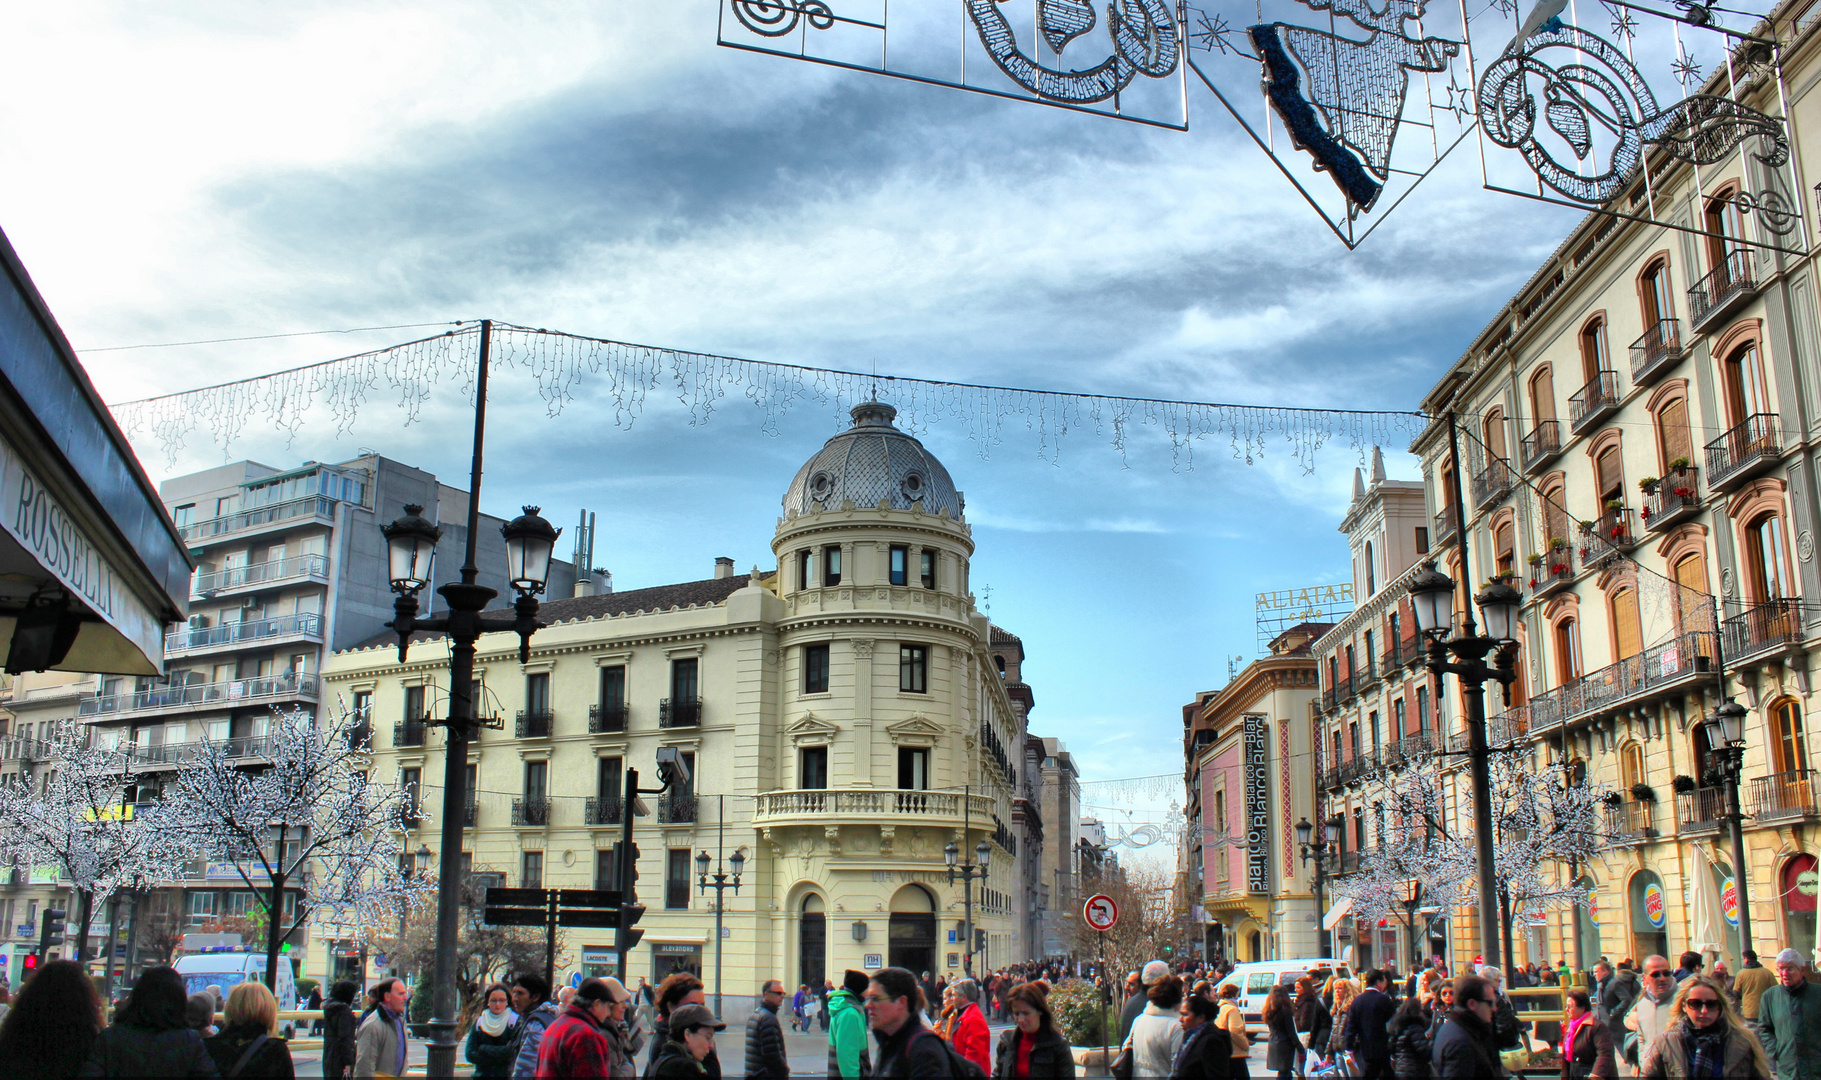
248,1044
1704,1037
1344,992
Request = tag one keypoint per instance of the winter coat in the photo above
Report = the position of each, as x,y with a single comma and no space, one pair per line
1507,1033
1206,1054
1465,1049
1233,1022
1591,1054
1648,1018
1317,1021
1367,1018
1410,1049
491,1055
1789,1026
1752,981
1155,1037
847,1049
765,1055
1617,997
660,1034
1337,1031
379,1045
576,1045
971,1039
915,1053
337,1039
525,1039
1667,1058
1280,1052
672,1061
134,1051
272,1060
1051,1058
1129,1012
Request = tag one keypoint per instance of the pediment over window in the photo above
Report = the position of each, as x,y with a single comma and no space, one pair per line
811,731
915,731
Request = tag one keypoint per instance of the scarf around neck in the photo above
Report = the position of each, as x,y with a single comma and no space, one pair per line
1706,1050
493,1024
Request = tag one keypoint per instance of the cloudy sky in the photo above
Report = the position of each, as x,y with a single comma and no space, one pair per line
209,170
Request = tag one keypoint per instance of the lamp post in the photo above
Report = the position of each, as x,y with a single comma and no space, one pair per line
720,885
1726,734
968,871
411,545
1432,597
1318,848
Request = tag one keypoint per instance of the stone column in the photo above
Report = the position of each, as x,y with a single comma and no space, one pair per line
863,713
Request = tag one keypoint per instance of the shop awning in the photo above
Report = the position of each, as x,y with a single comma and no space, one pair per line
1337,913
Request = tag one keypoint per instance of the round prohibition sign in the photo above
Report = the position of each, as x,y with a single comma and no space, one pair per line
1101,912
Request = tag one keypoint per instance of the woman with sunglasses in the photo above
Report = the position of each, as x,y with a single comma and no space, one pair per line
1705,1039
1586,1044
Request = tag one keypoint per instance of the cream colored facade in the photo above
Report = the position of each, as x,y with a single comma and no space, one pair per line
846,721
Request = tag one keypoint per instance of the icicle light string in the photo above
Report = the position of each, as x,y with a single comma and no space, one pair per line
560,363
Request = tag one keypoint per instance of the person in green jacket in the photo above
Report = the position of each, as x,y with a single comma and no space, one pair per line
1789,1020
847,1049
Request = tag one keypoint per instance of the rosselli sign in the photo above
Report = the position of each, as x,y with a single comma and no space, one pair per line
1258,808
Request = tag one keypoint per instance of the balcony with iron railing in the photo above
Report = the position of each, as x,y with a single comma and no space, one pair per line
1330,699
410,733
603,811
1552,573
1413,747
359,735
675,809
531,812
1662,669
313,508
684,712
1445,527
1593,402
243,746
260,575
24,748
608,719
1493,483
1331,778
534,724
470,809
1784,795
1612,534
1700,810
1542,444
1505,729
1728,287
249,633
1656,350
1761,628
832,806
1674,498
1631,822
1744,451
292,686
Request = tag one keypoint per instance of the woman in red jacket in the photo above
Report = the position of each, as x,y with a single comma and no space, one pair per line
971,1039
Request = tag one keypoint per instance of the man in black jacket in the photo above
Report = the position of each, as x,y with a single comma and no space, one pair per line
906,1048
1465,1048
765,1056
1367,1018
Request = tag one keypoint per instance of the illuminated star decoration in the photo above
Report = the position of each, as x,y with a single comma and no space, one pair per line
1460,99
1213,34
1687,71
1624,24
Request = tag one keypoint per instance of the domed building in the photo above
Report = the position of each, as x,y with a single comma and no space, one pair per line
842,714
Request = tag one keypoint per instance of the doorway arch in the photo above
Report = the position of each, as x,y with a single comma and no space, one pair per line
1649,916
912,931
812,943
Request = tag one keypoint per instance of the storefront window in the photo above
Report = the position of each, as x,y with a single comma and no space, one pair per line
1590,922
1798,888
1649,916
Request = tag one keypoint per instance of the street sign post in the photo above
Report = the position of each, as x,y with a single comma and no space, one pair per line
551,908
1101,912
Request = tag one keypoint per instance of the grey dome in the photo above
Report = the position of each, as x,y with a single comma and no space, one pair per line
871,461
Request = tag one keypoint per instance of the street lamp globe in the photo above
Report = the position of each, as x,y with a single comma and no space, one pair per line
1432,597
423,858
410,546
1727,725
702,861
984,854
951,854
529,541
738,859
1303,831
1499,604
1331,829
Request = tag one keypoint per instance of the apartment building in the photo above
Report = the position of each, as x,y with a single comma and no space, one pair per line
1059,806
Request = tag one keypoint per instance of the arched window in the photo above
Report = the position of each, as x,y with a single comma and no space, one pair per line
1726,227
1788,745
1567,651
1371,571
1590,925
1797,899
1594,358
1694,611
1504,548
1542,395
1555,515
1745,390
1654,293
1767,563
1495,435
1609,476
1673,439
1649,916
1627,631
1631,764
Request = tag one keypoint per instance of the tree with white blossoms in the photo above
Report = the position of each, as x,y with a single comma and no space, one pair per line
311,820
75,817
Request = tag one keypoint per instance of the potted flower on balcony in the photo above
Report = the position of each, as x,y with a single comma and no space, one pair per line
1612,798
1648,485
1556,543
1643,792
1680,465
1683,783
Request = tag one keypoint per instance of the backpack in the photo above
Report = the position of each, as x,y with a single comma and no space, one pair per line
959,1067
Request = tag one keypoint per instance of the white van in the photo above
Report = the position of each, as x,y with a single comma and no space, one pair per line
228,968
1256,980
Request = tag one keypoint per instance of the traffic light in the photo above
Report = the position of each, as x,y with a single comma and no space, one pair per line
629,934
50,931
31,963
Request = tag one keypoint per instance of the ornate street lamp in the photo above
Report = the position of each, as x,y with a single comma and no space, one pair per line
968,871
1318,850
720,884
1726,734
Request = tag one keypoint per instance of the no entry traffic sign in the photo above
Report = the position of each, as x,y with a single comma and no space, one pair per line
1100,912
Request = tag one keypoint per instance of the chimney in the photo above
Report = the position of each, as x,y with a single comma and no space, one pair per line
723,567
584,585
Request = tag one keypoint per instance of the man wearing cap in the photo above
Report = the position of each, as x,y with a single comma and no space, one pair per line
587,1040
1751,982
847,1050
1789,1020
688,1051
765,1056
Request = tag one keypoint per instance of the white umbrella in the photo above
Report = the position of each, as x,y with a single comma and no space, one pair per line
1708,924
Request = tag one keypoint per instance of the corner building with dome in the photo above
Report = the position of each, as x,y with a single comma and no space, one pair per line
843,712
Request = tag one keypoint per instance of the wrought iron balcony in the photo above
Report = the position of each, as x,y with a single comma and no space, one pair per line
1658,348
674,809
1744,450
1593,402
534,724
1331,778
1657,671
251,632
1416,746
1675,498
260,575
1330,699
359,736
683,712
1763,627
1445,527
1631,822
1508,727
409,733
244,746
297,511
1611,535
1728,287
603,811
1493,483
24,748
607,719
1784,795
1542,444
469,810
292,685
531,812
1555,571
1700,810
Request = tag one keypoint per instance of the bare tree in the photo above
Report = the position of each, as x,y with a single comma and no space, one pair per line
483,953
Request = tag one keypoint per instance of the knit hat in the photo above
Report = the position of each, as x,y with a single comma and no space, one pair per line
854,982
